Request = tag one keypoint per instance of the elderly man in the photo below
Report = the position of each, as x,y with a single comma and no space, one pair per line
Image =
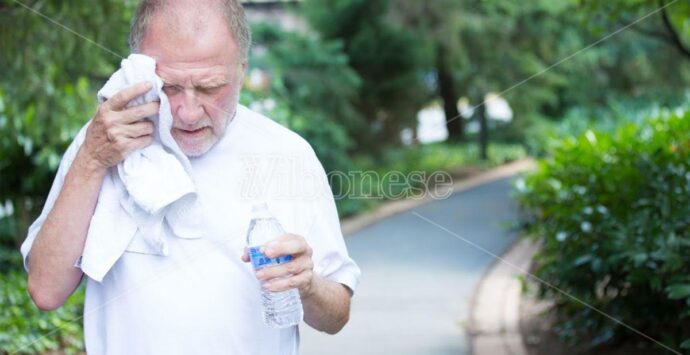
204,296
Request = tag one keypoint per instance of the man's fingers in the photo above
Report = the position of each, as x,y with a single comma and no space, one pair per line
297,281
139,129
118,101
139,112
289,244
245,255
294,267
140,142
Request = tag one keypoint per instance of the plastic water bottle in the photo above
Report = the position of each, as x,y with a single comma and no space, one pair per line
280,309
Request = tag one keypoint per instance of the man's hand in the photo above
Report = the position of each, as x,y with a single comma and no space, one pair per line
298,272
113,133
116,131
326,303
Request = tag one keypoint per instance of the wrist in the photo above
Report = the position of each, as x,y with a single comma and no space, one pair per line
87,165
311,288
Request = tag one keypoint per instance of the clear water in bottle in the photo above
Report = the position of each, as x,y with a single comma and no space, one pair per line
280,309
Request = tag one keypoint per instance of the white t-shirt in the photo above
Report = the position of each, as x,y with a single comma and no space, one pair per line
202,298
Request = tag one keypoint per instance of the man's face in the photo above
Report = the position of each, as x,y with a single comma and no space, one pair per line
202,70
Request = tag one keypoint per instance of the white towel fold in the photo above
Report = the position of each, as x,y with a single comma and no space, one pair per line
152,189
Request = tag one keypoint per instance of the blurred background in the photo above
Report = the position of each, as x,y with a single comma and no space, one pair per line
596,91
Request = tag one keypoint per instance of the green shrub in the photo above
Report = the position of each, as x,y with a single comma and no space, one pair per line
26,329
612,211
543,133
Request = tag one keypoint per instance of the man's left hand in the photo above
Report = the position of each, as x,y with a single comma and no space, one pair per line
297,273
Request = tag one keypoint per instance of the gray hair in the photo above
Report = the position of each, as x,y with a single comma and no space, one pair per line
232,10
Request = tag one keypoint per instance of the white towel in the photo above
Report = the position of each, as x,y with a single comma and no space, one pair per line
151,190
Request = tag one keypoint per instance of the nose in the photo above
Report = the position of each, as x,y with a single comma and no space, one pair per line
188,108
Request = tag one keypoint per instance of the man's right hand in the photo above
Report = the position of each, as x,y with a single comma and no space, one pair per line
116,130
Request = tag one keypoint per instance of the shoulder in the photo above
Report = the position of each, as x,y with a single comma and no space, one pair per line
270,136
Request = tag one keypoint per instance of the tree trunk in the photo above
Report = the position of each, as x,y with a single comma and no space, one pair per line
675,38
446,88
483,132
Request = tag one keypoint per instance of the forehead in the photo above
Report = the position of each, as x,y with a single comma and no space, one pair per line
193,74
191,46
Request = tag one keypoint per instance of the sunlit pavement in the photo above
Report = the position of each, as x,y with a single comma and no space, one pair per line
417,279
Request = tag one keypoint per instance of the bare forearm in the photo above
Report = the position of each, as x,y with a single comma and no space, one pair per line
113,133
52,275
327,306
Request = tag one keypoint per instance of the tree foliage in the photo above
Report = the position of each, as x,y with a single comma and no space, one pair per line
667,21
540,56
46,88
389,58
312,89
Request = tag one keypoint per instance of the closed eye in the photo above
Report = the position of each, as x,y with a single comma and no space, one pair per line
211,89
170,89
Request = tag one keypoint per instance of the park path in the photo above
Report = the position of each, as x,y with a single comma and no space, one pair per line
417,279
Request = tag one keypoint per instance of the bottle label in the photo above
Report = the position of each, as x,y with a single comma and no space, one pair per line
259,260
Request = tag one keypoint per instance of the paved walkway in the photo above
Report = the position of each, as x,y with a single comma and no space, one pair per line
417,280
